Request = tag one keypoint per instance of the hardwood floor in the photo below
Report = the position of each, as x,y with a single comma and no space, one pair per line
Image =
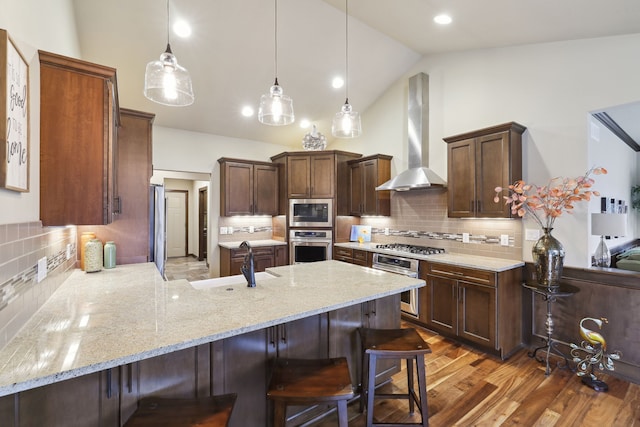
469,388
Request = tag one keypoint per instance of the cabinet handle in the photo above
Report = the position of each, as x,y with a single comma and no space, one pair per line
272,333
283,334
117,205
130,378
373,310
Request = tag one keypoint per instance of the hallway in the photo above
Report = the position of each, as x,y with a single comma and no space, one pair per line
186,268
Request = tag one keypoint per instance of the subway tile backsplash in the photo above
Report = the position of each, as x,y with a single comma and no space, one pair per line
21,246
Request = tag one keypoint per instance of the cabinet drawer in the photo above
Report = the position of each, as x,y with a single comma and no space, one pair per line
342,252
262,250
359,257
462,273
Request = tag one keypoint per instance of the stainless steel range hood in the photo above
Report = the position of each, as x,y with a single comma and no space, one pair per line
418,176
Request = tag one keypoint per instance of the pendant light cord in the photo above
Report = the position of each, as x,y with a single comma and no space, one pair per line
275,40
346,50
168,25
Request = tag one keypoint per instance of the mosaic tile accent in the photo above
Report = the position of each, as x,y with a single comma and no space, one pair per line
435,235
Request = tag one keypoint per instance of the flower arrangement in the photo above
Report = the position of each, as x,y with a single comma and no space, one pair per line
548,202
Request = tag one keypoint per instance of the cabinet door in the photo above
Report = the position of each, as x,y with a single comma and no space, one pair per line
492,169
477,313
305,338
76,131
265,194
383,313
369,193
322,176
344,340
262,262
240,366
357,196
238,189
299,176
281,255
442,310
462,179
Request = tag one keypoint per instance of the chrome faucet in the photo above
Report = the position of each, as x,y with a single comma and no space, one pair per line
247,266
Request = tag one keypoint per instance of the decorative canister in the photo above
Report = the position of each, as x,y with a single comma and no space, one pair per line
109,254
84,238
93,256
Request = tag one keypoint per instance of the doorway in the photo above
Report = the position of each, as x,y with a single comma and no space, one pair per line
203,202
177,226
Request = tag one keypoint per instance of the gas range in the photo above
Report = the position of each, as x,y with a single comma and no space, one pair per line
412,249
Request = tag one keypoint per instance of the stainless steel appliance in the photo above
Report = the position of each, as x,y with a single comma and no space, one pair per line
409,302
310,212
309,245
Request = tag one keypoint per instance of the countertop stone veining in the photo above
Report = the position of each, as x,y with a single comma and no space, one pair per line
462,260
96,321
253,243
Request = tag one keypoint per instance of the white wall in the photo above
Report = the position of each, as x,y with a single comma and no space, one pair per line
52,28
549,88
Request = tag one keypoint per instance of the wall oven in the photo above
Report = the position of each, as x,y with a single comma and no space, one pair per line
310,212
407,267
309,245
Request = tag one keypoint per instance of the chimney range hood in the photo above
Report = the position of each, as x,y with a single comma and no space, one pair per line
418,176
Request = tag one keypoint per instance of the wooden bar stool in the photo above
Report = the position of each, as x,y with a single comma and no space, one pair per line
212,411
394,344
308,382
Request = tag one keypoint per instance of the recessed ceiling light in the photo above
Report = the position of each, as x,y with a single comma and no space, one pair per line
442,19
304,123
182,29
247,111
337,82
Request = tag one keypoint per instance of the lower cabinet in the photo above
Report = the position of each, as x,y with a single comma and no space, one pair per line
263,257
476,306
353,256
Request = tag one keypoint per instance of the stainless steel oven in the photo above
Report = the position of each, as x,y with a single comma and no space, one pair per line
309,245
310,212
407,267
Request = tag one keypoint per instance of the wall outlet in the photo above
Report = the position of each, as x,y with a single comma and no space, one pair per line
504,239
42,269
532,234
224,230
68,250
386,231
251,229
465,237
229,230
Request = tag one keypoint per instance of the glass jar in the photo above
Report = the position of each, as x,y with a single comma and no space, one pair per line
84,238
109,254
93,256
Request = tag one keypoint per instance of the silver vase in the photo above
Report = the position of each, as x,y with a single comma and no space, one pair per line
548,257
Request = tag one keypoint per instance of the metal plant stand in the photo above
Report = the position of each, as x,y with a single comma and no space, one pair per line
550,295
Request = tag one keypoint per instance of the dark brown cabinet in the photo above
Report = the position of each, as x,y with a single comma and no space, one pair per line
478,162
365,175
78,152
311,176
263,257
248,188
353,256
477,306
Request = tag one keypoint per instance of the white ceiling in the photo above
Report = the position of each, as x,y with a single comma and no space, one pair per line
230,54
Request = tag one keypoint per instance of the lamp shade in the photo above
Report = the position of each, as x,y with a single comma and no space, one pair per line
276,109
346,123
168,83
608,224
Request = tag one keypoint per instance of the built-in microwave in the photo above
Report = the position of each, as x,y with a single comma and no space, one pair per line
310,212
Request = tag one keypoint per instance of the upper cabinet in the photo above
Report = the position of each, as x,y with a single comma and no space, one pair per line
78,152
478,162
311,176
365,175
248,188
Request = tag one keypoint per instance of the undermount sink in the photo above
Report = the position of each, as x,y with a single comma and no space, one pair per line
230,280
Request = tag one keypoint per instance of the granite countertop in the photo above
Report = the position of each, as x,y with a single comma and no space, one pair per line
462,260
253,243
96,321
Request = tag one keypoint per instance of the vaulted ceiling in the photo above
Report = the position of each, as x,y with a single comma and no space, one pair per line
231,51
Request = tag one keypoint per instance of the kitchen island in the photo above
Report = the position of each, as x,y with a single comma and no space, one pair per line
126,332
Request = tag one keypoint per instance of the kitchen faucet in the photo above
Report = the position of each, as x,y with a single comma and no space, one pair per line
247,266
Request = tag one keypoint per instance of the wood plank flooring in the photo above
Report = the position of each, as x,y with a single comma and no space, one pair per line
468,388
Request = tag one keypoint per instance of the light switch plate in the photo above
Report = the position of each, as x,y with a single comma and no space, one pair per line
504,239
386,231
42,269
223,230
229,230
532,234
465,237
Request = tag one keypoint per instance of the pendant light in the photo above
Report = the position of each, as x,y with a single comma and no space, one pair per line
165,81
276,109
346,123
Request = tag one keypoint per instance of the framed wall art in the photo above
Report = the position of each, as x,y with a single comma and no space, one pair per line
14,116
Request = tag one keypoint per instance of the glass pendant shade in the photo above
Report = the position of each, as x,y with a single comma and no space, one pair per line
168,83
276,109
346,123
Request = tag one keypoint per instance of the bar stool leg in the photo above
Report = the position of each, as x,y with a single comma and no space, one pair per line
343,419
364,377
371,384
412,408
279,414
422,386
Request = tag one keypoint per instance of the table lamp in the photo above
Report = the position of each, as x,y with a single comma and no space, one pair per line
606,224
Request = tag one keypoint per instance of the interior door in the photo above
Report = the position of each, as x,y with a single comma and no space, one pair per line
176,223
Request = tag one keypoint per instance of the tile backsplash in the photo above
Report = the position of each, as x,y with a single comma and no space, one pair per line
21,246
